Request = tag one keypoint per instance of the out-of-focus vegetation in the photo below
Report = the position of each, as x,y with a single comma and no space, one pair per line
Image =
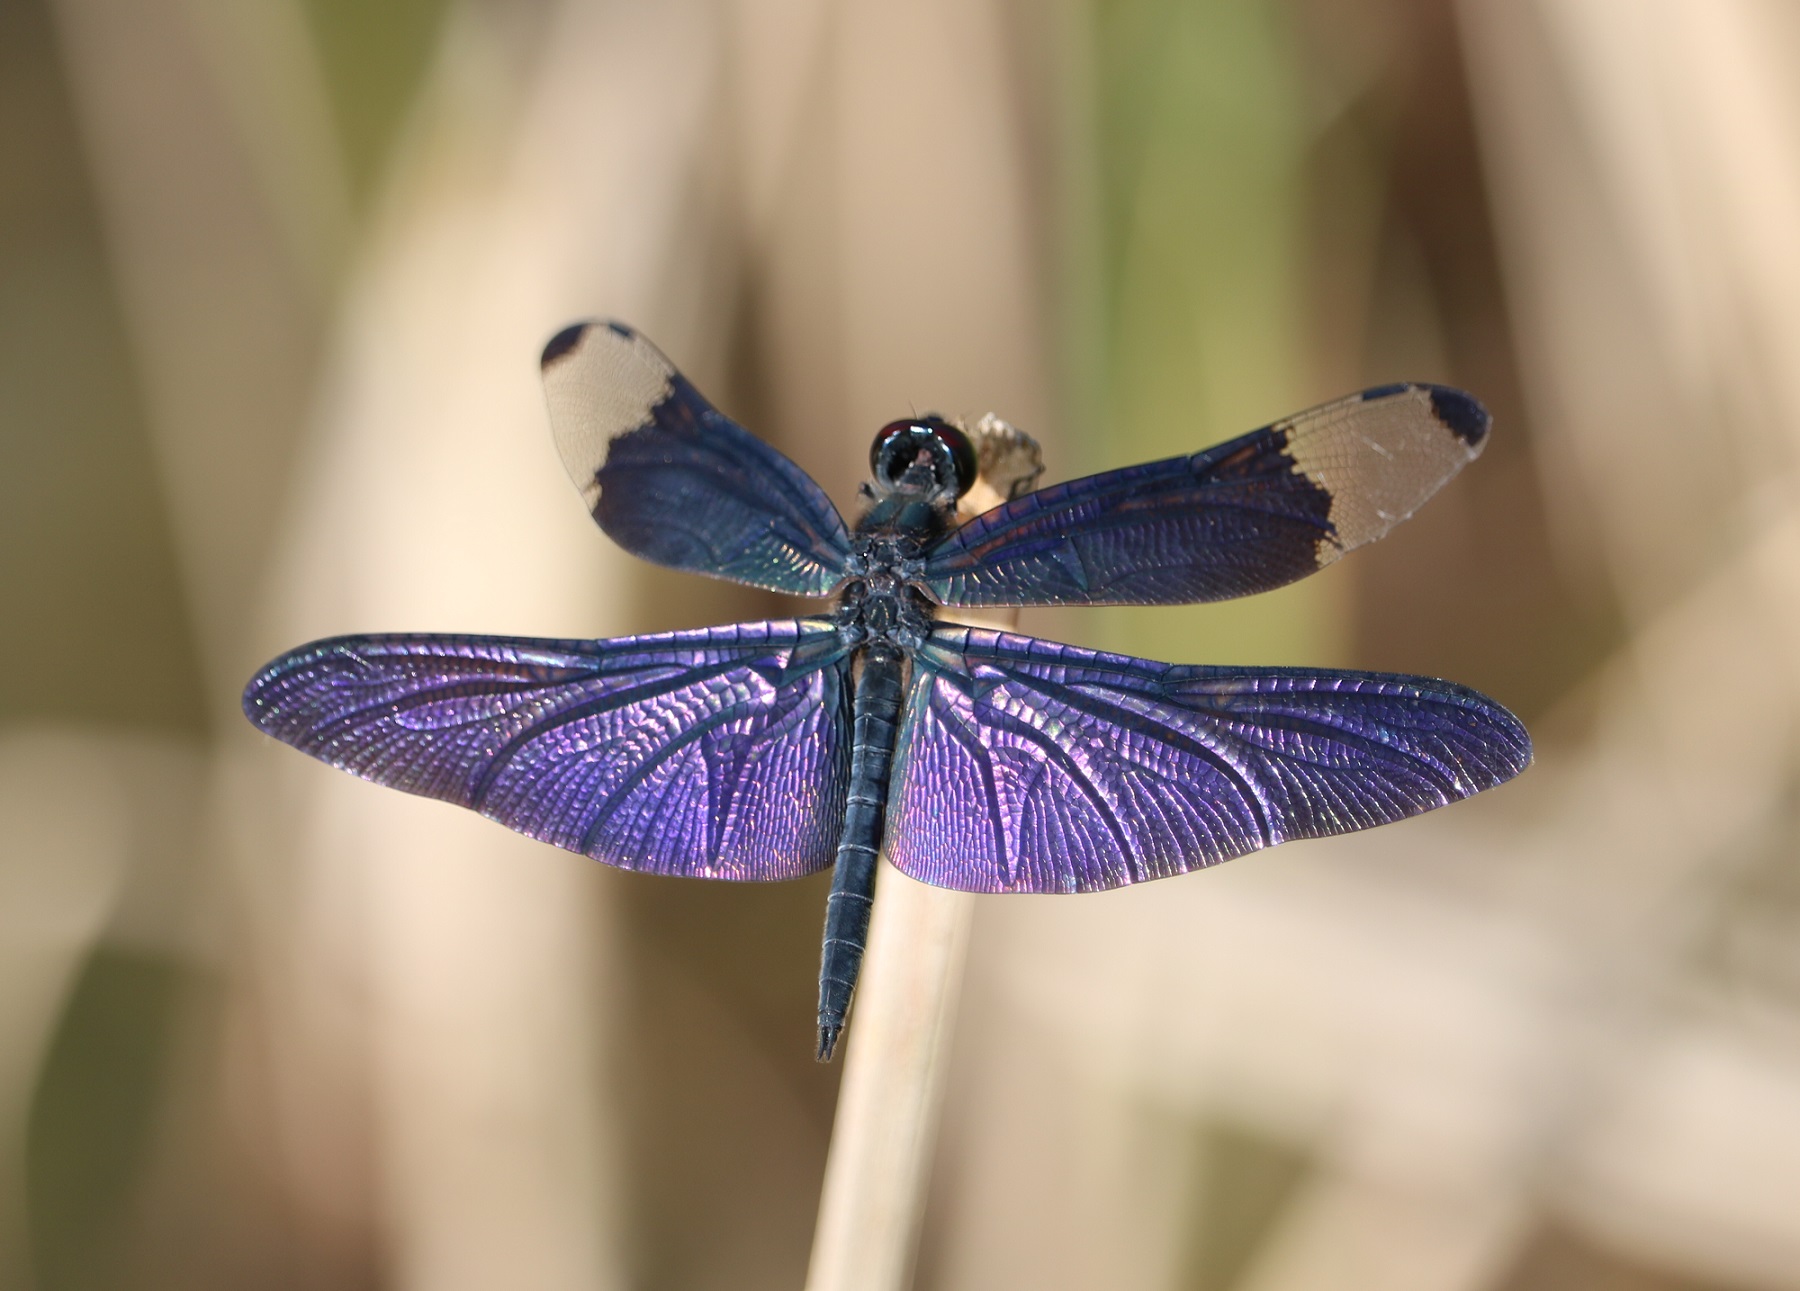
272,280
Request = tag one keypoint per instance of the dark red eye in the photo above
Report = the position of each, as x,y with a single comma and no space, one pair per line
962,455
898,444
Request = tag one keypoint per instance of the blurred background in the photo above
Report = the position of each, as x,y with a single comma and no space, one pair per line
273,279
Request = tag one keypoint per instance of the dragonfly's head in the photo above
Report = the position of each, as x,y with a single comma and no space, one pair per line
926,456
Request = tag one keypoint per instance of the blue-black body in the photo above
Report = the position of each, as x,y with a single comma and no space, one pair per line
884,614
877,722
976,760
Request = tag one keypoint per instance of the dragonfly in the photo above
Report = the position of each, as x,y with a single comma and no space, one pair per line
976,759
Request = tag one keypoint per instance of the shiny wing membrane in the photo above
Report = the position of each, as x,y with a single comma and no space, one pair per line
1245,516
672,479
720,753
1028,766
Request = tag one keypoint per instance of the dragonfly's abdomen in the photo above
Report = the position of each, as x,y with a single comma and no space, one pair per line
877,717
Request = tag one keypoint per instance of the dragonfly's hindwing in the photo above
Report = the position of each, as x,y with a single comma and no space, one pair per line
1028,766
722,753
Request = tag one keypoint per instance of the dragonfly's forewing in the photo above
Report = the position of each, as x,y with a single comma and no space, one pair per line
1028,766
1246,516
721,753
672,479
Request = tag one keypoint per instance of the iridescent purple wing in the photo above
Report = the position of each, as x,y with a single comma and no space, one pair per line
672,479
1246,516
1027,766
719,754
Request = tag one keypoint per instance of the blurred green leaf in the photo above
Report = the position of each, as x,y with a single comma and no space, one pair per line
93,1115
96,617
1245,1181
374,58
1201,167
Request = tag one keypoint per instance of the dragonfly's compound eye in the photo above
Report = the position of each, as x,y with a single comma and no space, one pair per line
900,446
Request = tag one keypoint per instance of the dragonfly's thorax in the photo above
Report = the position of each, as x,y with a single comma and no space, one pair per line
883,600
885,611
884,605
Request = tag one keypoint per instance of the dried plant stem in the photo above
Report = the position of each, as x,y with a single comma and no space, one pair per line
881,1144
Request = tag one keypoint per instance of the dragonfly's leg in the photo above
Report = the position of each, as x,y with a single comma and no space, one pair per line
853,882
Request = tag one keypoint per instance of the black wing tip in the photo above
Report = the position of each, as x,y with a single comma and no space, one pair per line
1461,414
562,343
570,338
1458,411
